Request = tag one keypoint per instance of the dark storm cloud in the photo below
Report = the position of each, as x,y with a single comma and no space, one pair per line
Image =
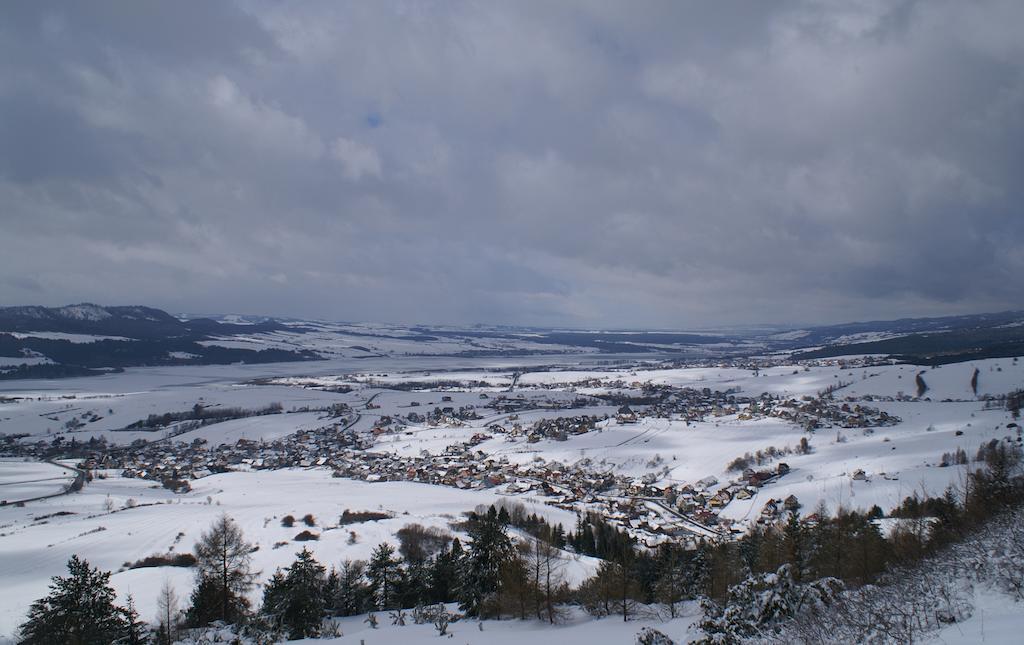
581,163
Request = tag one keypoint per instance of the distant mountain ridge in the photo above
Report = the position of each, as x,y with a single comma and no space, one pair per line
86,338
133,321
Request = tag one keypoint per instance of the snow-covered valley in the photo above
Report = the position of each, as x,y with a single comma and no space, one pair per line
654,448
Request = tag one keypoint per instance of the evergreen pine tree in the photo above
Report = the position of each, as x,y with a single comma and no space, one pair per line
444,571
415,584
759,602
795,545
489,548
79,610
295,601
136,632
672,585
352,594
332,585
204,603
383,572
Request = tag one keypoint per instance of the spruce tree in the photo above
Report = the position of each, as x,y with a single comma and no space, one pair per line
332,585
672,584
136,632
489,548
204,605
295,601
444,572
351,596
79,610
383,572
415,587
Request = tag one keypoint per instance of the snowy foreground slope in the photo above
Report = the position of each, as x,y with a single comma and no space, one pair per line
116,519
578,628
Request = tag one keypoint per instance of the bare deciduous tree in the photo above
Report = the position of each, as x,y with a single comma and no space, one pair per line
167,618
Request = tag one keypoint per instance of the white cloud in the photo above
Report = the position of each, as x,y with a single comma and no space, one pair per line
357,159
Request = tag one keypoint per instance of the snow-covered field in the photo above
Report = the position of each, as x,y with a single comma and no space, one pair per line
116,520
21,480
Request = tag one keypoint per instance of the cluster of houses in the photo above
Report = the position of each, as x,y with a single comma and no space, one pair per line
815,413
649,507
514,403
175,460
351,455
559,428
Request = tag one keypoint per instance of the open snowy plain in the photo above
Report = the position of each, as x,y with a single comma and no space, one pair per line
116,520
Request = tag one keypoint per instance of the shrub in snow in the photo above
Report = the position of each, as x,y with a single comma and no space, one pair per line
651,636
756,606
441,623
163,560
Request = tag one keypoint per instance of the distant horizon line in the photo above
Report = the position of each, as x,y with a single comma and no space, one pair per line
709,330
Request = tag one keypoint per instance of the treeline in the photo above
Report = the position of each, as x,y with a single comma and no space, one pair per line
50,371
109,353
205,415
810,566
932,349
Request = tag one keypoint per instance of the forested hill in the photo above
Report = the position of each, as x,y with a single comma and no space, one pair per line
922,341
83,339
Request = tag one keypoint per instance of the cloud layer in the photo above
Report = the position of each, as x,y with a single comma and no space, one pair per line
576,163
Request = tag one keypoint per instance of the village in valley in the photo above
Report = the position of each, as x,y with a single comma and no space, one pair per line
475,435
668,467
668,453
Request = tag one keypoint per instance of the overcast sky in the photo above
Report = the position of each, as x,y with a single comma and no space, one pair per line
572,162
